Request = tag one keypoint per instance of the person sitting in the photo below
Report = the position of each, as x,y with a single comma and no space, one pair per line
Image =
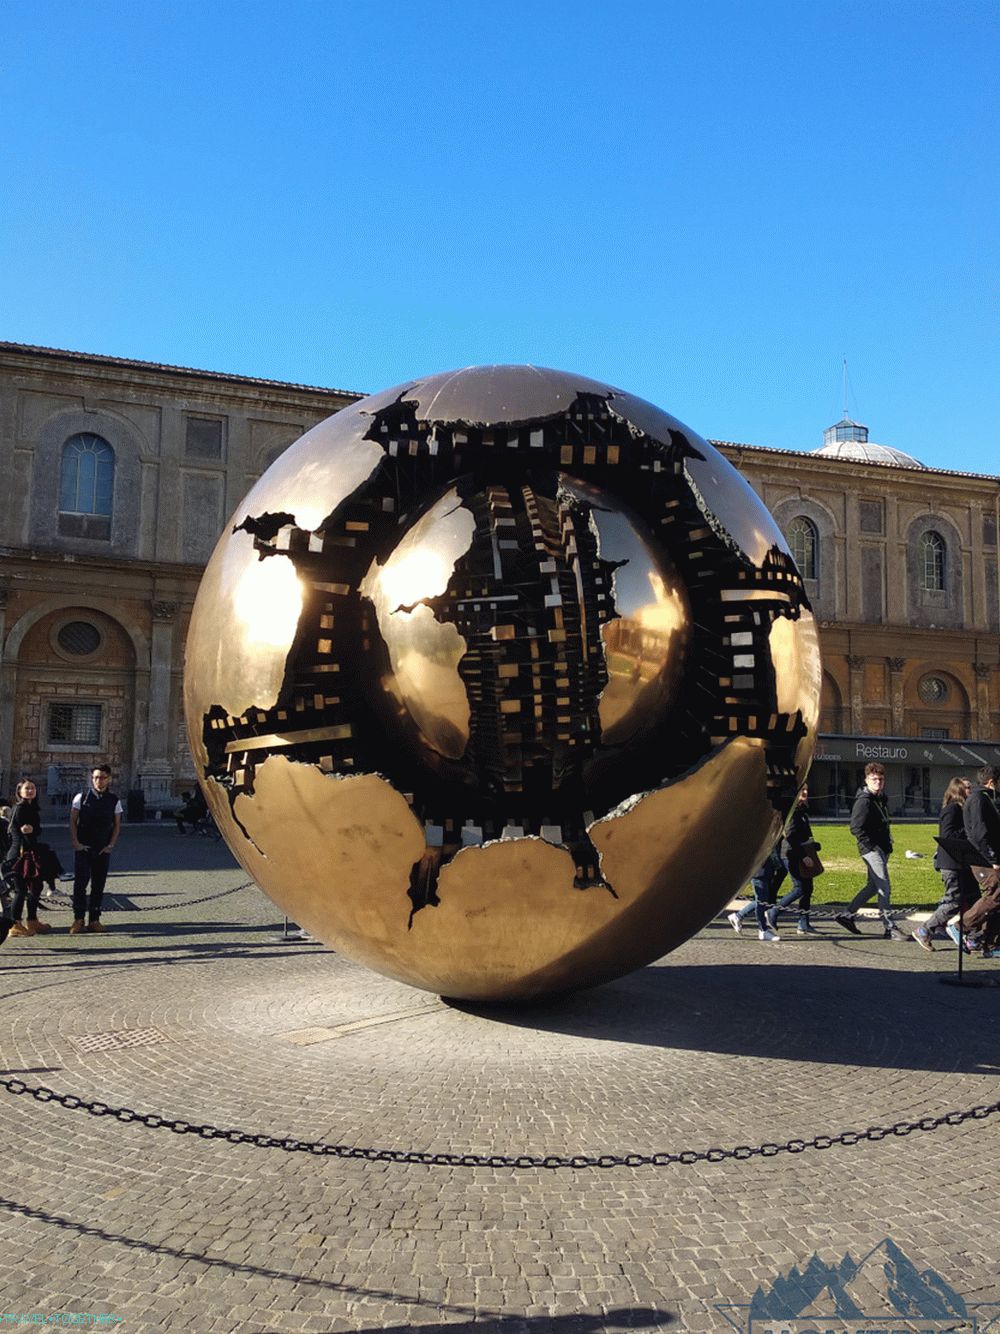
192,812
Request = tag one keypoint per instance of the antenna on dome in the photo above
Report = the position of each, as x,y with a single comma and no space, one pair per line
845,388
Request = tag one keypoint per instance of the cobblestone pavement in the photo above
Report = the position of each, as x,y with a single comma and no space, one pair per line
728,1041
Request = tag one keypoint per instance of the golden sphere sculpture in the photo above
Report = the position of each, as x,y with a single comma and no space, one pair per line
501,682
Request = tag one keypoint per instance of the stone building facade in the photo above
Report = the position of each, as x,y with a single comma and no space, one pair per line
119,476
901,566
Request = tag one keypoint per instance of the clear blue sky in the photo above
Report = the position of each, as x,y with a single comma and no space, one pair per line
708,202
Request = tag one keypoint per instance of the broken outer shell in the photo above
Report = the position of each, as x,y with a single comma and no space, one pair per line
501,682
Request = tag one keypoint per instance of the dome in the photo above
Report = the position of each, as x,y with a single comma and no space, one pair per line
864,451
849,440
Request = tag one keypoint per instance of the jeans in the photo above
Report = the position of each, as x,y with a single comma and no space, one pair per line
801,892
90,866
29,891
26,889
877,884
960,893
765,888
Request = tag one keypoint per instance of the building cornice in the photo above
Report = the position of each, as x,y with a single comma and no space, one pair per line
151,373
825,464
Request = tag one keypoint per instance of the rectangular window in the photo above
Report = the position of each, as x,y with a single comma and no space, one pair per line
935,733
989,530
95,527
75,725
203,438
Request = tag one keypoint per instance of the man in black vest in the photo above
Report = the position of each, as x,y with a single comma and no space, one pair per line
95,820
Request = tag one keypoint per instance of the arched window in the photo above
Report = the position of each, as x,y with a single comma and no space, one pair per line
931,564
804,542
88,476
86,488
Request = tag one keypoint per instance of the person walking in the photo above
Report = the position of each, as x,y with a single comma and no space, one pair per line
95,821
798,853
960,891
980,817
24,861
981,820
765,882
870,827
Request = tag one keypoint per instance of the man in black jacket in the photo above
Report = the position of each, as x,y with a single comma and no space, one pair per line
870,827
981,817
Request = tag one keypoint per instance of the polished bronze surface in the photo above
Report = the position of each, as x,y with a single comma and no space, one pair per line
501,682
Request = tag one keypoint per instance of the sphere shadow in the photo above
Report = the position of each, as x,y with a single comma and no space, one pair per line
827,1014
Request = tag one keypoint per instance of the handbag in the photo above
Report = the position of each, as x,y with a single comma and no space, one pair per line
810,865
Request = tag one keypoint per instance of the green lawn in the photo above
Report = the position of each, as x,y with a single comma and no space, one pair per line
915,883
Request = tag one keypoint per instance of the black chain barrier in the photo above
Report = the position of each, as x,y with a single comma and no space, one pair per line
62,899
687,1157
162,907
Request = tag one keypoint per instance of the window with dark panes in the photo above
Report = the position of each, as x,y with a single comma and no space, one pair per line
932,553
74,725
79,638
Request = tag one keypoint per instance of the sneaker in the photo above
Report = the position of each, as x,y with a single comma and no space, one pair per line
922,936
97,926
847,922
38,928
67,875
19,929
735,921
953,934
768,935
894,933
806,929
78,927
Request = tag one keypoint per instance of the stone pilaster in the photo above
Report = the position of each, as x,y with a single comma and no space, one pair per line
856,664
156,768
897,723
983,671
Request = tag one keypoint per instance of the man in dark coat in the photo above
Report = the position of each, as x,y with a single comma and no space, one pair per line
981,817
870,827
